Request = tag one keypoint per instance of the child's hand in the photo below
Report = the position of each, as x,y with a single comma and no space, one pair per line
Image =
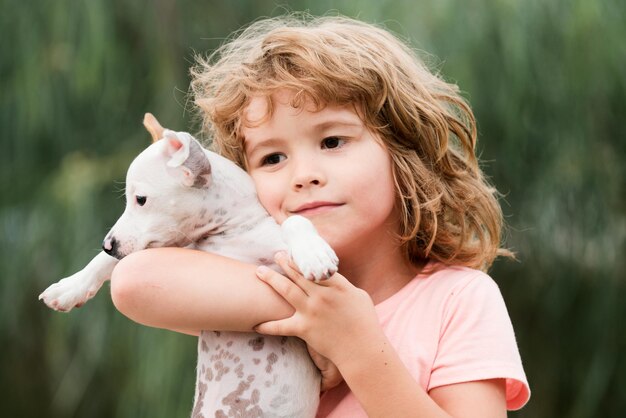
334,317
331,376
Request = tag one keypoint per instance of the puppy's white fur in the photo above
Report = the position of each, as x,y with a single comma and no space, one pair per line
180,194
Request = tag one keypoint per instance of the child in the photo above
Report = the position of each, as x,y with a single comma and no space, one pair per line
338,121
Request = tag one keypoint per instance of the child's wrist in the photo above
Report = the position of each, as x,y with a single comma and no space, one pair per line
362,352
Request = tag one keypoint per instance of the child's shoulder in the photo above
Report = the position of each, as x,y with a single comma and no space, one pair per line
442,286
462,292
453,288
454,278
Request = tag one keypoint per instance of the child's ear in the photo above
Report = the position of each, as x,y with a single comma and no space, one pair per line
186,160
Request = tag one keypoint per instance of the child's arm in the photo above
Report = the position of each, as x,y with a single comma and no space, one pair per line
339,321
188,291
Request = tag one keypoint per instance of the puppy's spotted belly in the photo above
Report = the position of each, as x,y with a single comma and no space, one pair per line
250,375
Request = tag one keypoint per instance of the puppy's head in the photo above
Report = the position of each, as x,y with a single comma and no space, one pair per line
166,187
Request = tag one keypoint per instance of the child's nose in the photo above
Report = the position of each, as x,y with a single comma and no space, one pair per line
304,183
307,176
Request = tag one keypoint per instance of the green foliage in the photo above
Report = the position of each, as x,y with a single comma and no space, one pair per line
546,81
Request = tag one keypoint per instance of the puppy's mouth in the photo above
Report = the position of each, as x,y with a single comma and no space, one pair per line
168,243
119,255
153,244
115,250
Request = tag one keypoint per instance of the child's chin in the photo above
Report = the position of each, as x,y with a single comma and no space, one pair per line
331,236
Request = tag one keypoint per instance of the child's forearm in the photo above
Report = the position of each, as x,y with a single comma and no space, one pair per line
189,291
383,385
385,388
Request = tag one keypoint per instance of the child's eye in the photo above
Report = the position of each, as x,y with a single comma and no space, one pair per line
332,142
272,159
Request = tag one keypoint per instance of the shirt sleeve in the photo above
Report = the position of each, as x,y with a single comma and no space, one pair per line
477,341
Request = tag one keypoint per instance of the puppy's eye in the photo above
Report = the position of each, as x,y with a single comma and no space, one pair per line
141,200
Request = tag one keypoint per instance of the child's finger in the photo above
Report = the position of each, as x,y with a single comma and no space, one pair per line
291,270
282,285
287,264
280,327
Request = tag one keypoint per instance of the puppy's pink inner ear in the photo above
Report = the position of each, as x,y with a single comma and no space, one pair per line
174,151
175,144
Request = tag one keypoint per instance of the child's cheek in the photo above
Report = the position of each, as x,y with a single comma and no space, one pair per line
270,199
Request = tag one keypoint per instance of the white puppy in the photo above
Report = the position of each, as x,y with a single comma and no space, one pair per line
179,194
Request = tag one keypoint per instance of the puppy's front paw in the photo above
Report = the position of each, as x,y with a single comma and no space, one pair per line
68,293
315,259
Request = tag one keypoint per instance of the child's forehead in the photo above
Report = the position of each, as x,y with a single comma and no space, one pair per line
256,109
260,108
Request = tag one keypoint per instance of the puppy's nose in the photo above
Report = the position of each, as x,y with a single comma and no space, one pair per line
109,245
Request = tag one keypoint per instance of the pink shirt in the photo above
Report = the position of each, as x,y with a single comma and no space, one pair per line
448,327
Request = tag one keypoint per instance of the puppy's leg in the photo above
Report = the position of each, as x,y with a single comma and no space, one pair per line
315,259
75,290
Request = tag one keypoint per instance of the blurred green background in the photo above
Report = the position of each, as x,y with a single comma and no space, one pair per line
547,81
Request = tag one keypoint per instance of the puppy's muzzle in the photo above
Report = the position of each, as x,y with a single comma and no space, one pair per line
111,246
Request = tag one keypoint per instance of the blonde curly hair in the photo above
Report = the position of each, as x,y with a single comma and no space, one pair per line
449,211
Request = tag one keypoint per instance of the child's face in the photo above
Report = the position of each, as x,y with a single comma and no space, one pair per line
326,166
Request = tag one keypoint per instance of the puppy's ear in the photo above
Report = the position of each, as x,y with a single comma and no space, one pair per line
176,147
186,159
153,126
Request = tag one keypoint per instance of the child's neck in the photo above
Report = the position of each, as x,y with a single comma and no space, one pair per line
379,270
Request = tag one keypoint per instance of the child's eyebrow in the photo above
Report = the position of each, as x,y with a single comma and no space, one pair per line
322,126
259,145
